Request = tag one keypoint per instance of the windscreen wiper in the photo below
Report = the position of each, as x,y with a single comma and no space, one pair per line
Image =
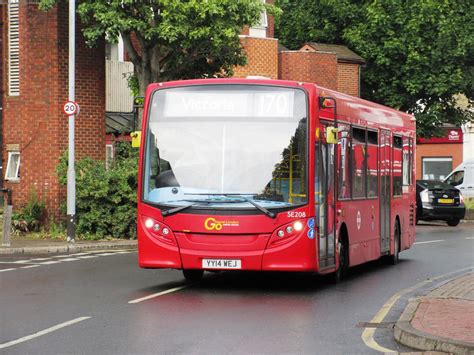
260,208
176,210
194,203
253,203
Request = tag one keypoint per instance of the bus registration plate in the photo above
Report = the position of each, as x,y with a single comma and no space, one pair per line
221,264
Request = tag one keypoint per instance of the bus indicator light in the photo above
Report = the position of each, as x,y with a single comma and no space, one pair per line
281,234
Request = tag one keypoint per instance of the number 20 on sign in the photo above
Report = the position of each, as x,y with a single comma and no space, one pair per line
71,108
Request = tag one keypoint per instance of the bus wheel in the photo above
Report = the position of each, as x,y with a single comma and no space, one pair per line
339,274
393,259
193,275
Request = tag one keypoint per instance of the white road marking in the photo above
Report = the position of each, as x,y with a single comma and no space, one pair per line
430,241
23,262
106,254
469,237
70,259
42,332
61,256
162,293
29,266
87,257
40,259
6,270
49,262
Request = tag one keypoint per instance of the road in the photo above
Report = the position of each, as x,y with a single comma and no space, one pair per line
102,303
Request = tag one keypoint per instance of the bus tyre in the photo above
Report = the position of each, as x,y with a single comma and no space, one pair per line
393,259
339,274
193,275
453,222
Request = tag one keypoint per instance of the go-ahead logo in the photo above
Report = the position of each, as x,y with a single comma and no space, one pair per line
213,224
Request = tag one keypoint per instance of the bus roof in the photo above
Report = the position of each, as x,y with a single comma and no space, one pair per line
350,109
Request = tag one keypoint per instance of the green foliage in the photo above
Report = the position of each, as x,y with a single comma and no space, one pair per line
105,198
30,218
419,53
176,39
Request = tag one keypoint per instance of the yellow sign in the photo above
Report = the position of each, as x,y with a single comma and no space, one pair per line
136,138
213,224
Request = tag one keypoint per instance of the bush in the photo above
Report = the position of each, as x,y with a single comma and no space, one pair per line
30,218
106,199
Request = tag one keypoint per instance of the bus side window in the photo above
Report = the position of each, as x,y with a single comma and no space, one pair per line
397,166
372,164
407,161
358,161
343,148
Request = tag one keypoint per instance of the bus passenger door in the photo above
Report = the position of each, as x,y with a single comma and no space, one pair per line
385,190
325,199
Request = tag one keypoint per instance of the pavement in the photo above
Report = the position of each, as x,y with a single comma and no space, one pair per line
442,320
22,245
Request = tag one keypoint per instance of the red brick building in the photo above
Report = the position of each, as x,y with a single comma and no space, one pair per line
33,89
33,77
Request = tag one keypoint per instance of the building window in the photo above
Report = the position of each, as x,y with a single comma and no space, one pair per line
436,168
13,166
13,48
260,29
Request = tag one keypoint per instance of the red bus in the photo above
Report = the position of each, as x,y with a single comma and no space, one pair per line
271,175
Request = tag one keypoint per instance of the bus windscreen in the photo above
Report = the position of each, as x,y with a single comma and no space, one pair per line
221,140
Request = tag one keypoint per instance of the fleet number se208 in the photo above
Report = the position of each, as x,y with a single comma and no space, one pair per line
293,214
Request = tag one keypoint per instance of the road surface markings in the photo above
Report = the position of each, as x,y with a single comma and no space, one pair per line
57,259
42,332
162,293
368,333
469,237
7,270
430,241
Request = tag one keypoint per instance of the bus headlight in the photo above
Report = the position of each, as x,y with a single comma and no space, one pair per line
298,226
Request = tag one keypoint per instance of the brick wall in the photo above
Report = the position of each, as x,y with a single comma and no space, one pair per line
35,120
313,67
453,150
262,57
348,78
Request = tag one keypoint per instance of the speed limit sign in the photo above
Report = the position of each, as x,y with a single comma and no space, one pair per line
71,108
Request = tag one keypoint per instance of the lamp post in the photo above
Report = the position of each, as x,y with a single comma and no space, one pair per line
71,172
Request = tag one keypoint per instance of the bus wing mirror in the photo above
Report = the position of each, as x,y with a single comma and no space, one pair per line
136,139
331,135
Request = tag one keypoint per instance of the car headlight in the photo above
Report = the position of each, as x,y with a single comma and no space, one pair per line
425,197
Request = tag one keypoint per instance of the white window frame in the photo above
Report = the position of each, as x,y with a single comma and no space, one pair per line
432,160
15,176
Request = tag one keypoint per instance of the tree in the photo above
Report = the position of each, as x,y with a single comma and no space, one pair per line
172,39
419,53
